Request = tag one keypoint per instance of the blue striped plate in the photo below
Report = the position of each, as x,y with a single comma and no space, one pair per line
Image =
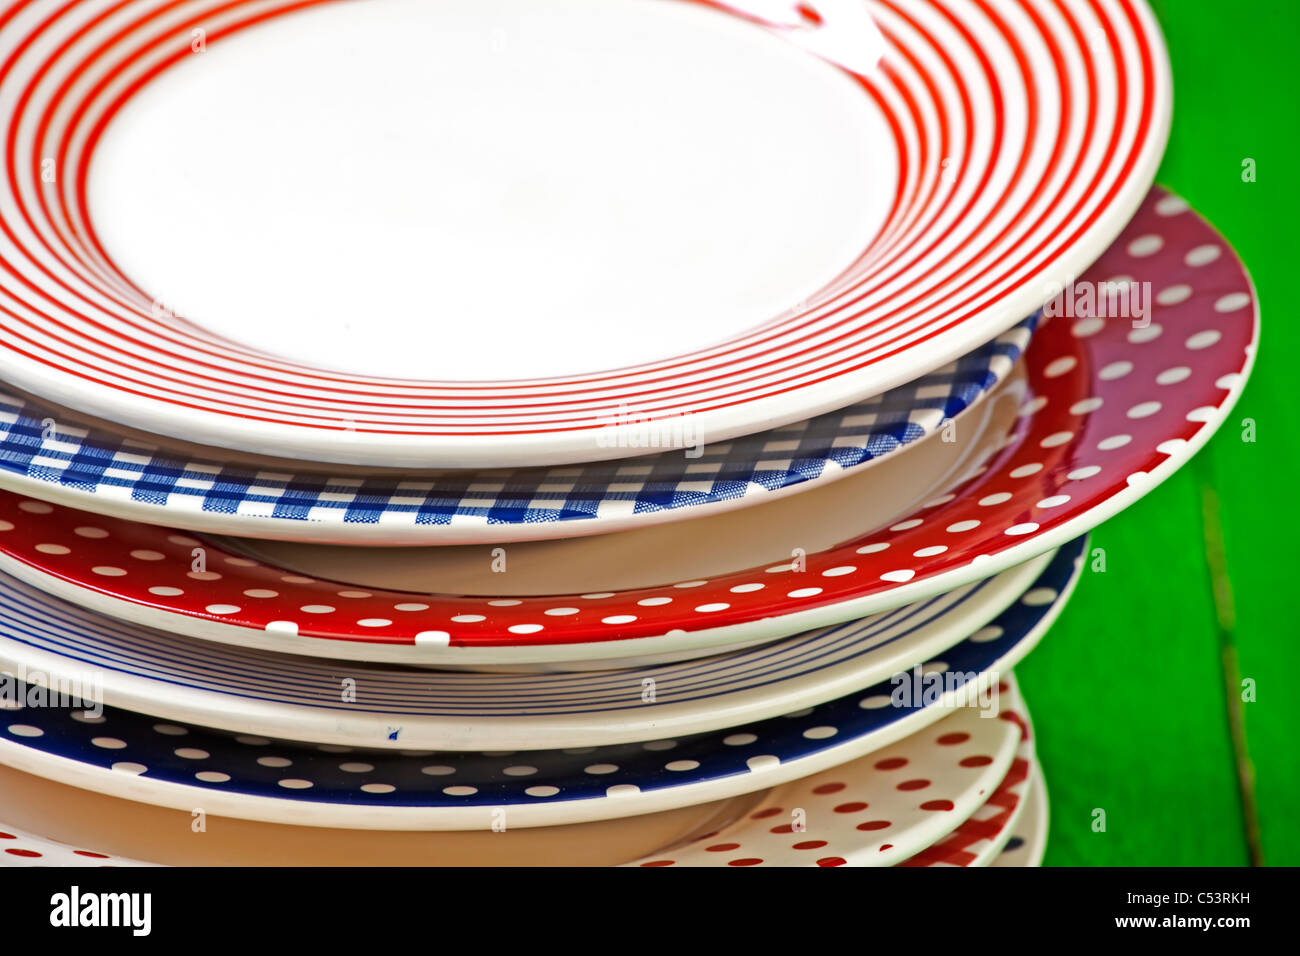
306,698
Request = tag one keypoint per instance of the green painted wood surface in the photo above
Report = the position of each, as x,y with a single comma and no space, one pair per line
1128,692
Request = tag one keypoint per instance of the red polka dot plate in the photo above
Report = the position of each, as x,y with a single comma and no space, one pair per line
1137,364
1012,837
982,838
538,268
403,708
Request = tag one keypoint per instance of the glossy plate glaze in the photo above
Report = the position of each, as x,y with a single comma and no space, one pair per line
51,642
51,824
19,848
979,839
884,809
57,819
140,758
56,455
606,564
1028,843
154,833
1115,404
981,151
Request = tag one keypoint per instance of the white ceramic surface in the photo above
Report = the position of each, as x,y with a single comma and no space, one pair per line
326,702
1029,842
879,810
526,237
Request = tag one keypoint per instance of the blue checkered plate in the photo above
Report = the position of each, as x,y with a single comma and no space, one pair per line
49,453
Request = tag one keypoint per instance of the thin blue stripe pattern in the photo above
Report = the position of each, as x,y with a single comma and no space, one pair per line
38,448
237,764
87,643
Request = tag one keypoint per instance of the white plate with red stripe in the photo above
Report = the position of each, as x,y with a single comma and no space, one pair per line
1112,406
473,235
51,453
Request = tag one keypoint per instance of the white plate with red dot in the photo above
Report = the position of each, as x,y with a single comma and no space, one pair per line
906,782
981,838
882,809
1028,843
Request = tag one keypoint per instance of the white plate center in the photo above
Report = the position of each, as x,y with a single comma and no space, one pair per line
496,189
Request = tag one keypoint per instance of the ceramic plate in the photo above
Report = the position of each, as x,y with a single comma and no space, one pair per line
686,553
1114,405
53,643
458,301
56,821
979,839
137,757
29,849
1028,844
169,835
880,810
50,453
117,827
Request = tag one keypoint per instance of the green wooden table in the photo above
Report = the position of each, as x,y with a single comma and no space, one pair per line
1137,692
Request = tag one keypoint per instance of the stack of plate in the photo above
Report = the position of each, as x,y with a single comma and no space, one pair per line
680,461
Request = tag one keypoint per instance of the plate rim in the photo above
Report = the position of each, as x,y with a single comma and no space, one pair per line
934,829
51,487
315,723
526,650
352,446
167,793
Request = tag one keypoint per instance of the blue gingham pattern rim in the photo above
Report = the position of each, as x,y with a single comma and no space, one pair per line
98,469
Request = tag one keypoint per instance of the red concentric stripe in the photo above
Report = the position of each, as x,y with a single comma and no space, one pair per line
794,355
